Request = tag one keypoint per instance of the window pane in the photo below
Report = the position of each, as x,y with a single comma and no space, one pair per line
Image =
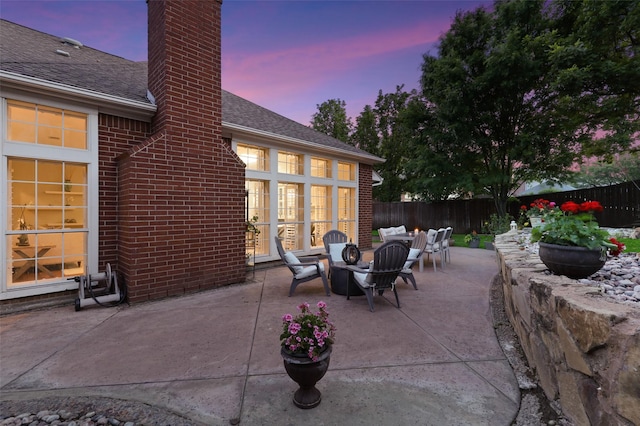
347,211
50,136
254,157
320,167
291,215
321,203
290,163
346,171
258,213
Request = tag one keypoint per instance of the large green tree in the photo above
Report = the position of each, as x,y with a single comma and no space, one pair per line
331,119
365,135
382,130
597,70
493,105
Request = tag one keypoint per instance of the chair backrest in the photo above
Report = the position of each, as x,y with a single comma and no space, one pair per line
431,236
439,238
281,252
388,261
332,237
420,241
447,234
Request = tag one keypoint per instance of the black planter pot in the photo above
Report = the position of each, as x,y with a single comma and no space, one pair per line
574,262
306,373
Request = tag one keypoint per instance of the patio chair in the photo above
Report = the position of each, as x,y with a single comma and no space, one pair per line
334,242
303,271
445,244
388,260
418,245
434,245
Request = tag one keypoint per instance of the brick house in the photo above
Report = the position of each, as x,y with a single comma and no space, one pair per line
153,168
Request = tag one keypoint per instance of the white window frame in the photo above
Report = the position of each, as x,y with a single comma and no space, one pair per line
273,177
90,157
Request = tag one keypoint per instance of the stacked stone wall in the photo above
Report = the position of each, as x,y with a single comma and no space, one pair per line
584,346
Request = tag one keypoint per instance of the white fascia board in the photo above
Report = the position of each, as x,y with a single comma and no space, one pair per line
107,104
362,158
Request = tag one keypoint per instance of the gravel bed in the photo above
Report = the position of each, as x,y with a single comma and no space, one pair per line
86,411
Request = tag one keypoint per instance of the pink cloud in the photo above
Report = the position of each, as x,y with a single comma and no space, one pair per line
298,68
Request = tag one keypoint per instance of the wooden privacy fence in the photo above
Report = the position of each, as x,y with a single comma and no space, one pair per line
621,209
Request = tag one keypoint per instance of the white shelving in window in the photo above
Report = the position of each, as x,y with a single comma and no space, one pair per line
64,192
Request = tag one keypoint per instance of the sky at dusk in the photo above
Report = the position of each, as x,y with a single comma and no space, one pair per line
287,56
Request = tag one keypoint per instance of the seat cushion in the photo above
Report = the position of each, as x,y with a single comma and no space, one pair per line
309,271
291,258
335,251
412,258
363,279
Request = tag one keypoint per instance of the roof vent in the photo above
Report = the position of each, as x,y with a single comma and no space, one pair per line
72,42
62,52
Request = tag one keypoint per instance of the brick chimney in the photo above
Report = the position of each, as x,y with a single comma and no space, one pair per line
181,208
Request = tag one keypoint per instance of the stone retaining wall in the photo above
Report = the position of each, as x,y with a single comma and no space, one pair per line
584,347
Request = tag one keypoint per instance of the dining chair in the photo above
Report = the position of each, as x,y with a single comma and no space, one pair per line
435,246
418,246
445,244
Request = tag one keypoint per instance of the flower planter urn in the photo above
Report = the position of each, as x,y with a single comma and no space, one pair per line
306,373
574,262
535,221
474,243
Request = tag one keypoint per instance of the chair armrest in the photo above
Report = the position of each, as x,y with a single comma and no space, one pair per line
354,268
303,263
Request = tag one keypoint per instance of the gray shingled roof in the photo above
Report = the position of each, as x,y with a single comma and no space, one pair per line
32,53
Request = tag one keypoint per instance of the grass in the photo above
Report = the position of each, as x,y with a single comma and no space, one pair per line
633,246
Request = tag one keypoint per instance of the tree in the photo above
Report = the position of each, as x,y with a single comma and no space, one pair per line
597,66
331,119
394,139
365,135
623,168
494,107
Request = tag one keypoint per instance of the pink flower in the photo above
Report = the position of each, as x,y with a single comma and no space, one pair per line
287,317
294,327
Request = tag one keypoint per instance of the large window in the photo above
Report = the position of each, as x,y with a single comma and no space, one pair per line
48,206
255,158
291,215
347,211
47,158
320,213
297,197
258,213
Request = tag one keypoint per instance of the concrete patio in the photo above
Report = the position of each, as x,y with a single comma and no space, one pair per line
213,357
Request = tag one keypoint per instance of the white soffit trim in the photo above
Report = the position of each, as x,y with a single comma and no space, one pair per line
363,158
107,104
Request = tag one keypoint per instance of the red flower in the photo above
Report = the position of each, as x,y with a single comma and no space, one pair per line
591,206
523,207
570,207
620,248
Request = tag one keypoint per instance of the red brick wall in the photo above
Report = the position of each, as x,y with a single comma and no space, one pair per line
365,216
116,136
181,206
